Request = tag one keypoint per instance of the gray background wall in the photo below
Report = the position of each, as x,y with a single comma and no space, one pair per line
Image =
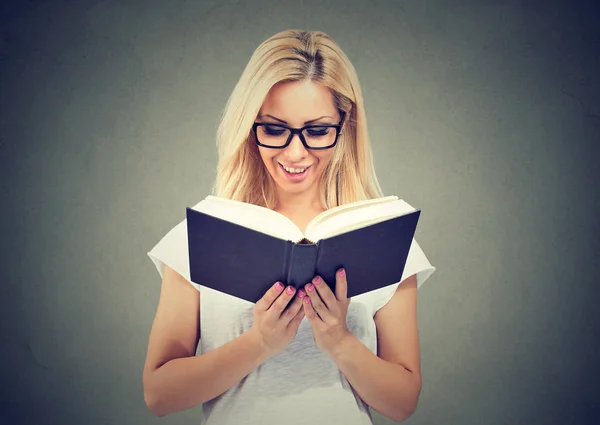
484,114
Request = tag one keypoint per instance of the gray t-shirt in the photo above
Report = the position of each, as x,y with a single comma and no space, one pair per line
300,385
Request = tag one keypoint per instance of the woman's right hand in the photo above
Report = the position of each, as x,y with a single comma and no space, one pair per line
274,325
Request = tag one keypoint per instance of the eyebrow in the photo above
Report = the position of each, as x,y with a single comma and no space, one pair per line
285,122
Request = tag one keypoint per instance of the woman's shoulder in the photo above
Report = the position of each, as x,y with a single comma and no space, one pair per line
171,246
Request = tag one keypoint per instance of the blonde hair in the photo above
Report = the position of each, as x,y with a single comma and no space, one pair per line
295,55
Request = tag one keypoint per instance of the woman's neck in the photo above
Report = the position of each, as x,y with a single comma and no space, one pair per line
299,209
297,203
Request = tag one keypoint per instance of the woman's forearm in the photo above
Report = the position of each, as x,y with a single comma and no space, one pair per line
186,382
387,387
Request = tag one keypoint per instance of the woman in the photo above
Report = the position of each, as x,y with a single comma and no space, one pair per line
325,359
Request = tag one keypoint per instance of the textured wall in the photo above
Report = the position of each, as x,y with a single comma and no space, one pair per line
484,114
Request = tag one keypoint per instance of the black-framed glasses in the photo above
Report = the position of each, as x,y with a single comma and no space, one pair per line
279,136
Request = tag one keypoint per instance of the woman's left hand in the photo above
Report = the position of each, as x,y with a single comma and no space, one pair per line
326,312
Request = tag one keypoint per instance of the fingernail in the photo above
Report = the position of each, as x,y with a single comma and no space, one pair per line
301,293
317,280
290,290
307,300
279,286
342,272
310,288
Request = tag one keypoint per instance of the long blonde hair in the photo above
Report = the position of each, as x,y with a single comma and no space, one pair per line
295,55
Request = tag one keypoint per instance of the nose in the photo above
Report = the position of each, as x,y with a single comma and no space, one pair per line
295,151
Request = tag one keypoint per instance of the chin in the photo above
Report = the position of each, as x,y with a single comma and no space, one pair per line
294,188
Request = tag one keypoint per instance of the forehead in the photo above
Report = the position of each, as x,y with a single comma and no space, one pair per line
299,101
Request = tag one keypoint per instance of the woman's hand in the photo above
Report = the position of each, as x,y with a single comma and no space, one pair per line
274,325
327,311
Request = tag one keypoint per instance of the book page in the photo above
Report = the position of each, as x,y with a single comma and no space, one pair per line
345,227
250,216
330,213
358,217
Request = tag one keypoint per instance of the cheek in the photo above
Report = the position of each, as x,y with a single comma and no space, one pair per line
267,158
324,159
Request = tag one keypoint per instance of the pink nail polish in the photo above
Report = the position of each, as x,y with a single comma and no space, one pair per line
307,300
317,280
342,272
301,293
310,288
290,290
279,286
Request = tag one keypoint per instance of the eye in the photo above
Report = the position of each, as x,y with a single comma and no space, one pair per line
317,131
273,130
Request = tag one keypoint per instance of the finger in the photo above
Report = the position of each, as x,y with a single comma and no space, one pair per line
324,292
293,308
317,303
341,285
295,322
282,301
309,311
271,295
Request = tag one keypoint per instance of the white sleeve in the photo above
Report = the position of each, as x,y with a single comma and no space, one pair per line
416,263
172,250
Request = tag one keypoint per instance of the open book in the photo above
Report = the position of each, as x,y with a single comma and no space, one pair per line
242,249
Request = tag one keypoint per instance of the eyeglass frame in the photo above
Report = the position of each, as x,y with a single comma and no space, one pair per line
298,131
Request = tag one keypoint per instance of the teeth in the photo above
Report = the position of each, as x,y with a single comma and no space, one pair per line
294,170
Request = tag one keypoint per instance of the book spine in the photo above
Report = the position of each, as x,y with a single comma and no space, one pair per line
303,262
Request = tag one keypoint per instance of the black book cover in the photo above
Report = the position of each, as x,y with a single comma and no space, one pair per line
245,263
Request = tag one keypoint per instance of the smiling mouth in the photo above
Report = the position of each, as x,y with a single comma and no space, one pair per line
294,170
